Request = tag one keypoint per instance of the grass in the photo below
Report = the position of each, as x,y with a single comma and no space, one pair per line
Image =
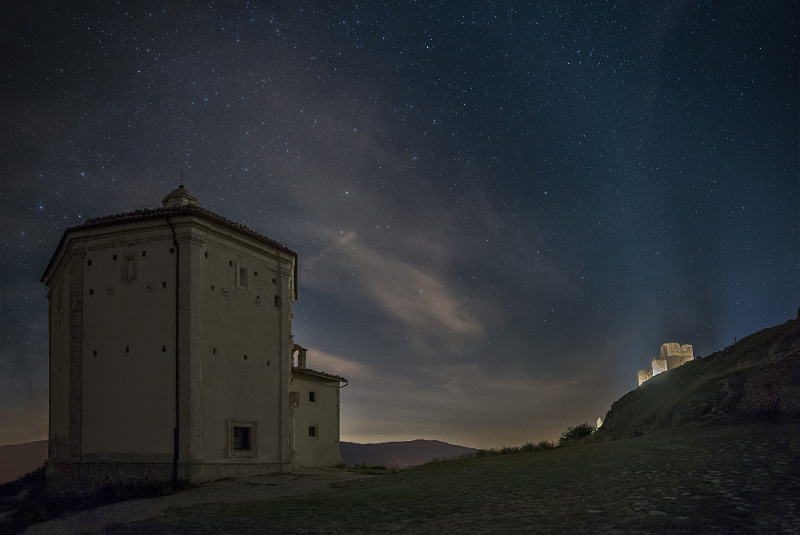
711,480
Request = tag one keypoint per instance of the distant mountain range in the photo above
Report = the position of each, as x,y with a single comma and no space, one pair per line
400,454
16,460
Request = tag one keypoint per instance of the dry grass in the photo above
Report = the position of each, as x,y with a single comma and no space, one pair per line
736,479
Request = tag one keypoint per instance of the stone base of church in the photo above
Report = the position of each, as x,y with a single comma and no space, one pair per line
66,477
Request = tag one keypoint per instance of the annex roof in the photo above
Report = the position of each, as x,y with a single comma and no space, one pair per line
316,373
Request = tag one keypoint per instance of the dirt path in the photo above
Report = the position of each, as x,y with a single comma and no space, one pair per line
305,481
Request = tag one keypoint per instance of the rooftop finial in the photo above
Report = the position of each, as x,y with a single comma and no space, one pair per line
179,197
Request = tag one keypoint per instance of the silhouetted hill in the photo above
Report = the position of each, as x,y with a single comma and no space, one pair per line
16,460
400,454
755,379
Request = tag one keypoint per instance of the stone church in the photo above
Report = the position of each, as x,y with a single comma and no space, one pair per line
172,357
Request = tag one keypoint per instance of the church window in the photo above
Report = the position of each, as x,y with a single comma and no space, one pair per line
312,396
312,431
242,276
242,438
128,268
242,441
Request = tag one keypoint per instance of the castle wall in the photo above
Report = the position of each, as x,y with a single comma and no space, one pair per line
659,365
675,350
644,375
671,355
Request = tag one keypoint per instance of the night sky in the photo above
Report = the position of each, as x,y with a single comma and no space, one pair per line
501,209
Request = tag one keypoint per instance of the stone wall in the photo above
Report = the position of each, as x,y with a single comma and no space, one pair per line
671,356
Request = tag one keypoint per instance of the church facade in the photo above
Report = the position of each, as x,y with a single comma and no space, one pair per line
171,353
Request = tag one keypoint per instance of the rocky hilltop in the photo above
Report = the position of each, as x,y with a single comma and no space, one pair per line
755,379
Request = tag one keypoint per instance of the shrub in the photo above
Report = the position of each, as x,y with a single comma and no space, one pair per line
575,433
506,450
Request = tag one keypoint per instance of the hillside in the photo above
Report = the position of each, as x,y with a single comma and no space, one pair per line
755,379
16,460
400,454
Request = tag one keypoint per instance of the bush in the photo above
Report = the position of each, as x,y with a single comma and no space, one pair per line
527,448
575,433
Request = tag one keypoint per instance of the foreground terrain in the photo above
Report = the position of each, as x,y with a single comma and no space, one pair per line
713,479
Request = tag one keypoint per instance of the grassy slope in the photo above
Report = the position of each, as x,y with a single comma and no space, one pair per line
714,479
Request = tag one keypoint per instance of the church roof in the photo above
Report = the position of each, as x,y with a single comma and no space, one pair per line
175,211
178,203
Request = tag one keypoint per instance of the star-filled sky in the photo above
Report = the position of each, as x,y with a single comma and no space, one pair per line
501,209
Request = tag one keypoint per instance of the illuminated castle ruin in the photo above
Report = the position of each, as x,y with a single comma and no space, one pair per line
671,356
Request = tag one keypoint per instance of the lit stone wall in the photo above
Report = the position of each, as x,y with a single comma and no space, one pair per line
676,354
671,356
644,375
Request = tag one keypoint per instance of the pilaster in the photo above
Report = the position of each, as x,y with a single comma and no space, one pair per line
75,359
286,295
190,248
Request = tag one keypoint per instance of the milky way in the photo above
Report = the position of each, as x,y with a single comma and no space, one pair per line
501,210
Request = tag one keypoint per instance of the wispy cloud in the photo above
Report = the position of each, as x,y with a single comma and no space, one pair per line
347,368
425,305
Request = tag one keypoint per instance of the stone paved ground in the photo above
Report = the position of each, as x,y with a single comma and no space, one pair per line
307,481
738,479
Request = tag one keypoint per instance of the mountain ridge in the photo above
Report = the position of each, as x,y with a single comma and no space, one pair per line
400,454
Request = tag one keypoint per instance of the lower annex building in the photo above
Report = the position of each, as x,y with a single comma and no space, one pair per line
172,357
